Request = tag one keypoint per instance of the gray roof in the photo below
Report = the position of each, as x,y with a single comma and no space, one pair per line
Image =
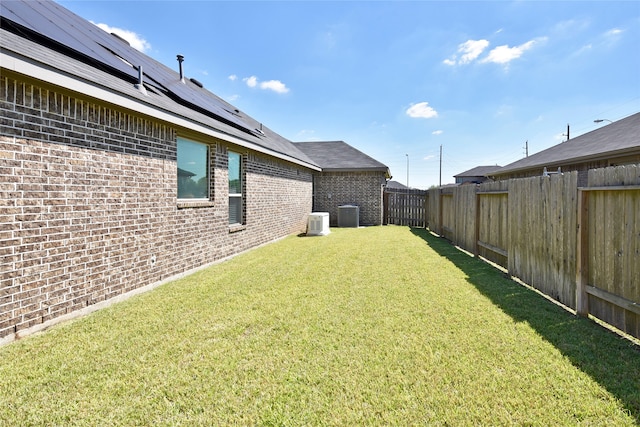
339,156
44,40
478,171
395,185
619,138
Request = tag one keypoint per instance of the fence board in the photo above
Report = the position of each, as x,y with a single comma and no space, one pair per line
405,207
433,209
493,217
465,224
542,240
614,245
448,214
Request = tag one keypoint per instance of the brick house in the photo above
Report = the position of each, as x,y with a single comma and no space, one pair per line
118,174
348,177
614,144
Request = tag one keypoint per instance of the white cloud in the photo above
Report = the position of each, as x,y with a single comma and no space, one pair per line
134,39
233,98
505,54
471,49
274,85
251,81
437,132
613,32
233,77
421,110
467,52
612,36
429,157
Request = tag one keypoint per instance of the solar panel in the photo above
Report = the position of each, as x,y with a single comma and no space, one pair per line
99,48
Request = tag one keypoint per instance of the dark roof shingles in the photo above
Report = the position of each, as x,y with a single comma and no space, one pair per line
338,155
615,138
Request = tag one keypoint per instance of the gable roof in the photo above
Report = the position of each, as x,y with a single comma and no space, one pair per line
338,156
395,185
478,171
619,138
43,40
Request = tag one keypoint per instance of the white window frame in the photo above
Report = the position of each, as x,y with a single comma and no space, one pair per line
235,195
207,170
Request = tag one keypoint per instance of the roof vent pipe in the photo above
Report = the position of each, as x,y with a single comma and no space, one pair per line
180,60
140,84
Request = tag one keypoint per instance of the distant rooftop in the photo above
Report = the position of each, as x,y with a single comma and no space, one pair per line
478,171
395,185
616,139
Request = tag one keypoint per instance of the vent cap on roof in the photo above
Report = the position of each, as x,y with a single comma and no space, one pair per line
180,61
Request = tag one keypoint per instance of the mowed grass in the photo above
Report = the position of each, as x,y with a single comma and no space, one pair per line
370,326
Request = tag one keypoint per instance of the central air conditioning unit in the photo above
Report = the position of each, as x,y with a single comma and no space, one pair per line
318,224
348,216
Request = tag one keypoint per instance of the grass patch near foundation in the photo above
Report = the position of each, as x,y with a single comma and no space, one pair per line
369,326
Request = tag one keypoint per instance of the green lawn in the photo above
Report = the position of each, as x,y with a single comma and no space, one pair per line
370,326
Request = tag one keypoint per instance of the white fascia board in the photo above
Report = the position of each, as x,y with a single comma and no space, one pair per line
28,67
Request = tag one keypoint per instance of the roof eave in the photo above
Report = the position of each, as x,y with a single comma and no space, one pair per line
385,170
556,163
19,64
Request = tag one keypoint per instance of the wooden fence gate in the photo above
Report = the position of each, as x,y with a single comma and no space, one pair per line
405,207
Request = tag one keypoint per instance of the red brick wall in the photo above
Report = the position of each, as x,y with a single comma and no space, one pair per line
88,207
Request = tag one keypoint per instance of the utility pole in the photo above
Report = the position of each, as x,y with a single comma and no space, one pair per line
526,148
407,170
440,180
566,134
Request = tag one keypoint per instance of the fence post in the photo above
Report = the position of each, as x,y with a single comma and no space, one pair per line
385,208
476,225
582,254
440,225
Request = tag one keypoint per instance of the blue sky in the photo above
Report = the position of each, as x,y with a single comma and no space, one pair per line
397,80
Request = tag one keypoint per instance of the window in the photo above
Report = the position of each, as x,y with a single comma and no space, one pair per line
193,170
235,188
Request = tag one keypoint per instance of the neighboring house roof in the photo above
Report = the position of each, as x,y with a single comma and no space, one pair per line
395,185
185,173
478,171
45,41
338,156
617,139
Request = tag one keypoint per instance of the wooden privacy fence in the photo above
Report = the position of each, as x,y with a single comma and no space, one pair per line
580,246
404,207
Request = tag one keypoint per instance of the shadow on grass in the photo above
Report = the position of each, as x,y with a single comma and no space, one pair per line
612,361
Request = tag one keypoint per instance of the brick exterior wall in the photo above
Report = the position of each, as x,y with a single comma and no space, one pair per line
88,205
363,189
